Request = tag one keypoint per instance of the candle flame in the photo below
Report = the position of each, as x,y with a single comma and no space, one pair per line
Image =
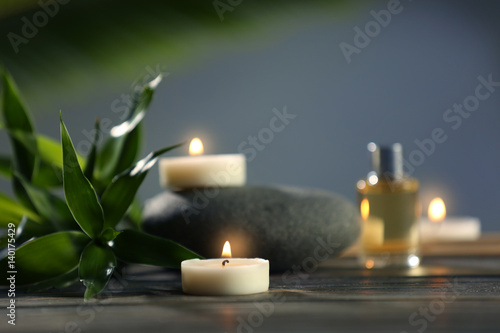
196,147
365,209
226,251
437,210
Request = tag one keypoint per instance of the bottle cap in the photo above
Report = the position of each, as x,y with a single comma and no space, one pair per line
387,161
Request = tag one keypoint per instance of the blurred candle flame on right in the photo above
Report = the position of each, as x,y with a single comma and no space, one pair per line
196,147
437,210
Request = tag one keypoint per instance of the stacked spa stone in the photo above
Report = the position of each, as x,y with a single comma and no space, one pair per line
288,226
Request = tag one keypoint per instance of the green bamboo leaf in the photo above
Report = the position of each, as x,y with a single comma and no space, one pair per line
107,159
22,195
47,176
96,267
121,149
89,166
45,257
48,205
27,229
17,118
13,212
131,149
134,214
121,192
48,172
5,166
150,250
80,195
26,146
51,151
109,235
48,149
59,282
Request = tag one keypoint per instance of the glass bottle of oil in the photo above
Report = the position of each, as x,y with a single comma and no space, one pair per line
389,206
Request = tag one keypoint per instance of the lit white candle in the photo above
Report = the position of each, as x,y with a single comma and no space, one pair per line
200,170
225,276
372,232
438,227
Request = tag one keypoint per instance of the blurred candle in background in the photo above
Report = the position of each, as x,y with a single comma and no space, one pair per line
438,227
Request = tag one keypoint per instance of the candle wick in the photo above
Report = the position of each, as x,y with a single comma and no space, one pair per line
225,262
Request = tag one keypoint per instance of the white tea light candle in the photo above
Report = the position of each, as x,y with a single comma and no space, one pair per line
439,227
225,276
200,170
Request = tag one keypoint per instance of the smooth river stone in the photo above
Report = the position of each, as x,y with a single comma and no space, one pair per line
288,226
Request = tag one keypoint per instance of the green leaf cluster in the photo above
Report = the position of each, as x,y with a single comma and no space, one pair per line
97,223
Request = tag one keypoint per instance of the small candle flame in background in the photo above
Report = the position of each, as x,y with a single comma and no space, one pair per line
195,147
437,210
365,209
226,251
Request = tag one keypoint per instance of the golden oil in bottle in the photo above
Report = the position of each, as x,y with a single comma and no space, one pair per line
389,207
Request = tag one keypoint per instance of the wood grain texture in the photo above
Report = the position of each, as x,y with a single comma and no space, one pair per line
447,294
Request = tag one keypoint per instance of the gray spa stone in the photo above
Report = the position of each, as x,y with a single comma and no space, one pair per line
286,225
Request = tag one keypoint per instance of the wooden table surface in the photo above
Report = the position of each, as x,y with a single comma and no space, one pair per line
456,289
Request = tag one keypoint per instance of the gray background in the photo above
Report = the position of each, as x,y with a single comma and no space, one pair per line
395,90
